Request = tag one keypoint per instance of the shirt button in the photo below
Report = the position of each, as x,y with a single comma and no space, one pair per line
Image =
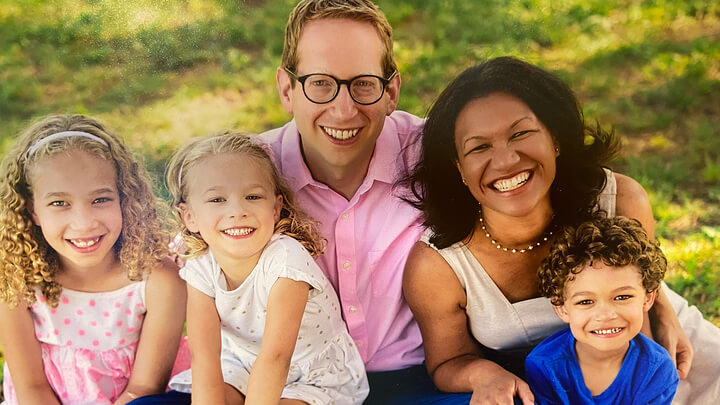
358,343
344,216
346,265
352,309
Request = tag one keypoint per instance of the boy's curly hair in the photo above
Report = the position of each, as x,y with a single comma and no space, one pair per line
26,260
293,221
617,242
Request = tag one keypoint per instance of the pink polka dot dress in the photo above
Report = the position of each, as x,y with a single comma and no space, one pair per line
88,343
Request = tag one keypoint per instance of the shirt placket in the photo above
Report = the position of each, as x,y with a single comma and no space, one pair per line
347,265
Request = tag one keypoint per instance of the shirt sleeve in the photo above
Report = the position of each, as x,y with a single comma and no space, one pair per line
200,273
662,384
540,384
289,259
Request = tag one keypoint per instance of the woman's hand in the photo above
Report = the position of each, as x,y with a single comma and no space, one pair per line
495,385
668,332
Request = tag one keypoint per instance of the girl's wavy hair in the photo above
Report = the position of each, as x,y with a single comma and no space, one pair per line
435,185
27,260
293,221
617,242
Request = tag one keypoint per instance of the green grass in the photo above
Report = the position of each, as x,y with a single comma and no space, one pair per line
159,73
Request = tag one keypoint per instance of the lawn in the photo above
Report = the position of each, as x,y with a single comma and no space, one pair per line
160,72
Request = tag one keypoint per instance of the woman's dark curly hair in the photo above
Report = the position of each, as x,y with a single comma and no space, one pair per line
618,242
435,185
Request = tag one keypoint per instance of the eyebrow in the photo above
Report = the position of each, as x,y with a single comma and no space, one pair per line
619,289
221,188
517,121
527,117
56,194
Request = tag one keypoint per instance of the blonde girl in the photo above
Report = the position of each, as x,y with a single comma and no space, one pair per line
93,313
263,321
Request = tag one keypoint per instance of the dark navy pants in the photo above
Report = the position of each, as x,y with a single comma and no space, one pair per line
411,386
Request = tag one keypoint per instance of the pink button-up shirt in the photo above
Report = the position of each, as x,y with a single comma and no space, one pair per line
369,238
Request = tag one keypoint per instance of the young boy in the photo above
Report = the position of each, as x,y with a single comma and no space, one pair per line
602,278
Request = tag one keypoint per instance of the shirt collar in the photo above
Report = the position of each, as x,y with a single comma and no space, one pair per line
295,171
383,165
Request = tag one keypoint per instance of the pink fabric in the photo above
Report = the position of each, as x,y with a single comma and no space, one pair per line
88,343
182,360
369,238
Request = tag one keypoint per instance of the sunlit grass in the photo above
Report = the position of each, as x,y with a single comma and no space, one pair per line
161,72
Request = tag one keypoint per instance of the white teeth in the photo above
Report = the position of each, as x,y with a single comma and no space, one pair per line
341,134
238,231
83,243
512,184
606,331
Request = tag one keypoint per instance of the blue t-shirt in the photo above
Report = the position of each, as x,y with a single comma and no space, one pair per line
647,374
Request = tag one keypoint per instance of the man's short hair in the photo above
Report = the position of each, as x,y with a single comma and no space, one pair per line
357,10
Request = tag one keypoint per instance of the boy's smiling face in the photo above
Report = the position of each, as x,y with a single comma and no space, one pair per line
605,307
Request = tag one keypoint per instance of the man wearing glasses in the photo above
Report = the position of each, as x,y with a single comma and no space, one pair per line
340,155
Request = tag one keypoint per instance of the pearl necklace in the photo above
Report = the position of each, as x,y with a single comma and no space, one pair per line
548,233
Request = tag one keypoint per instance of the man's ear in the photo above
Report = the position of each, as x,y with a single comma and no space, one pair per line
562,312
393,92
650,299
285,89
188,218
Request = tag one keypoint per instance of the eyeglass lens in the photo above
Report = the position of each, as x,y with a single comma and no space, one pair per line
323,88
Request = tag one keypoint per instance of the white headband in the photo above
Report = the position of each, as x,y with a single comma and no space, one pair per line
60,135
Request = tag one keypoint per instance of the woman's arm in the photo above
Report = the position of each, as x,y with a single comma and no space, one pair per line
286,305
453,358
23,356
632,201
161,331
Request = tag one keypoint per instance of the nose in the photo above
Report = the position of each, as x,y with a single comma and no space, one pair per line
605,311
505,156
83,219
237,209
343,105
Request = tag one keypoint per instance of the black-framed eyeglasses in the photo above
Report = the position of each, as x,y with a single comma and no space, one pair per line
321,88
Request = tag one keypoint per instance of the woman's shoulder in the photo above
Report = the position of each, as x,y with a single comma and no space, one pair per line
426,268
428,234
628,187
633,202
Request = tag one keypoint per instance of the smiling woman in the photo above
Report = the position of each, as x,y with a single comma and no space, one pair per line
505,164
501,129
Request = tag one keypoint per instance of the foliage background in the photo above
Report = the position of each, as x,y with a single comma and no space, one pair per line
161,71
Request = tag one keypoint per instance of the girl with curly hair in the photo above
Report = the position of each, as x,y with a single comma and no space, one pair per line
263,321
602,277
96,308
